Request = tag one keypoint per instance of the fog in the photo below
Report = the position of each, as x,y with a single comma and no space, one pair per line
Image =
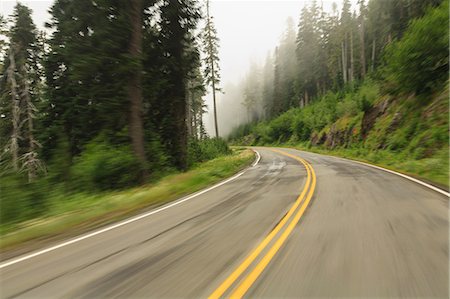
248,31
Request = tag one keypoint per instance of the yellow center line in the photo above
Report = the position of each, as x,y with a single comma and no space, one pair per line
250,258
251,278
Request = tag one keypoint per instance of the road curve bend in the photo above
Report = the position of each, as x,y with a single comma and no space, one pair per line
296,224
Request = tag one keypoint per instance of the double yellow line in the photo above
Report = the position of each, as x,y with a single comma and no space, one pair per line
251,277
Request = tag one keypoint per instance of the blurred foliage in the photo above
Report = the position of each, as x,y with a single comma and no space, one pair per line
64,210
102,166
419,61
206,149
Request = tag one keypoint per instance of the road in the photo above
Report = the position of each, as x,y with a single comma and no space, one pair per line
296,224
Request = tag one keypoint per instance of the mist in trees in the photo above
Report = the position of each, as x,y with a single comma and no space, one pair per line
326,51
211,61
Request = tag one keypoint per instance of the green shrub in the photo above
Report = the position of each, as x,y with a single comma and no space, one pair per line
20,200
207,149
301,130
102,166
280,129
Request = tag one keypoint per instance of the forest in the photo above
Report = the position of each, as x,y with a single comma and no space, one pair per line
108,97
111,96
369,83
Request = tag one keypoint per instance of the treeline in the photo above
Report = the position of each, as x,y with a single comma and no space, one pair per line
397,116
328,51
118,85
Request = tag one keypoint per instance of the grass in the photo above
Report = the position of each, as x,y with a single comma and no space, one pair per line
82,212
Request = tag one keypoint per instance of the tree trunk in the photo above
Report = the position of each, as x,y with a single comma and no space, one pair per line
15,134
344,62
372,67
362,49
352,60
195,124
136,126
189,104
31,157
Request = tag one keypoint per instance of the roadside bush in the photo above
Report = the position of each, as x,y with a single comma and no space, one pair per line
20,200
207,149
301,130
103,166
280,129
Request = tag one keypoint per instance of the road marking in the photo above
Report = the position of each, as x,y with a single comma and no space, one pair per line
125,222
226,284
404,176
257,271
439,190
258,157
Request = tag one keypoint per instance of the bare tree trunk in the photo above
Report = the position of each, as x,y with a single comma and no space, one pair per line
372,67
189,104
344,62
31,155
30,158
212,70
194,113
136,126
362,49
15,134
352,60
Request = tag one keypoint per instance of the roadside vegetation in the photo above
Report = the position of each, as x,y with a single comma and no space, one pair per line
398,116
62,211
109,99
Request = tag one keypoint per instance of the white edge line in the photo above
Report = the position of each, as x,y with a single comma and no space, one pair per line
405,176
258,157
439,190
125,222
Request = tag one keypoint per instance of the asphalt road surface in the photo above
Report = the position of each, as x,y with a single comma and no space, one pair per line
294,225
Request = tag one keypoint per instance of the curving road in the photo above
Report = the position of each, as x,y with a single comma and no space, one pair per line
296,224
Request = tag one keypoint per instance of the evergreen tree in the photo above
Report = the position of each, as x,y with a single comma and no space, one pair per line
178,20
20,92
211,60
134,88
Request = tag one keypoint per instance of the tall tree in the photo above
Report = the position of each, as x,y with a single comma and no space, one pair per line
362,40
134,90
21,83
268,85
178,20
307,50
212,70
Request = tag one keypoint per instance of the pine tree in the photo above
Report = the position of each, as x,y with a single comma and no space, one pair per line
178,20
211,61
362,39
21,84
267,85
134,88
